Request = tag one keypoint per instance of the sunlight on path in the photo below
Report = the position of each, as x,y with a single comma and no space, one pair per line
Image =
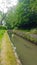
7,54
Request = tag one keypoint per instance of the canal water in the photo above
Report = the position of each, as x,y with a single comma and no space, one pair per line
27,52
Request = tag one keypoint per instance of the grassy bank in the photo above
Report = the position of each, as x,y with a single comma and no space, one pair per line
1,35
7,53
30,35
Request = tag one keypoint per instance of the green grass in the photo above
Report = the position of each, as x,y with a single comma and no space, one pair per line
32,31
1,35
28,34
2,27
7,51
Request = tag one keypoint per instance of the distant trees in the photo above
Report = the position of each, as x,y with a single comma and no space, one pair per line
0,17
24,15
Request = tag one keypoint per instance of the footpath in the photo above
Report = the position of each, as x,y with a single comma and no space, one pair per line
7,54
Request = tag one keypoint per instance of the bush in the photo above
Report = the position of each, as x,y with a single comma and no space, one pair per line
3,27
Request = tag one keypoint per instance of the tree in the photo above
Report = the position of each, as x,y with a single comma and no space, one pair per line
24,15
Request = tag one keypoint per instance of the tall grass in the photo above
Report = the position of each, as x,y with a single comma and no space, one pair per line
1,33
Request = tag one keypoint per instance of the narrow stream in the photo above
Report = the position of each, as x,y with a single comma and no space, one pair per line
26,51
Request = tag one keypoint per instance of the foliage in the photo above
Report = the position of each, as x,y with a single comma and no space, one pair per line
1,34
24,15
0,15
3,27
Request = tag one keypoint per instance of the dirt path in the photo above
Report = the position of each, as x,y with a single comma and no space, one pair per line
7,54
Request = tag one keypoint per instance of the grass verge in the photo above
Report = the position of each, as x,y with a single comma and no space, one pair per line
7,53
1,35
30,35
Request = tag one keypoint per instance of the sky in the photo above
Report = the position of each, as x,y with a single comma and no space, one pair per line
6,4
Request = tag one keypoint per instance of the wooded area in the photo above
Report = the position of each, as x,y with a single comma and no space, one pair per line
23,16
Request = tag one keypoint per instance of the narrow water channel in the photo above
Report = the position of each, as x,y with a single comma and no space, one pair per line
26,51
